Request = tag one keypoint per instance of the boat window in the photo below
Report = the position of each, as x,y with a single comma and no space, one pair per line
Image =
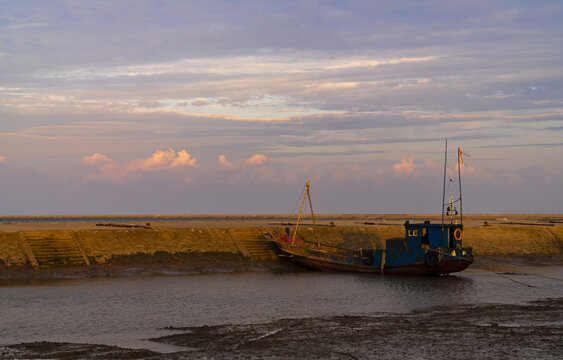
413,232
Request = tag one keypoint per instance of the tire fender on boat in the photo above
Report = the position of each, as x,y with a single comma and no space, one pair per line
457,234
367,257
432,259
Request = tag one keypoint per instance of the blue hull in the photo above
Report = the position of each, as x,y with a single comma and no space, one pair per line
426,249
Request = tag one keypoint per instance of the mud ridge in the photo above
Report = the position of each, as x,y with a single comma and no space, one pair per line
489,331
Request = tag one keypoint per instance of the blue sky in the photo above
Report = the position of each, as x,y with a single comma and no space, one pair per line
162,107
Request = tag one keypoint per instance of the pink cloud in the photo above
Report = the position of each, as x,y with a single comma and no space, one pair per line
109,171
163,160
224,162
473,174
96,159
159,161
257,159
430,164
406,166
183,159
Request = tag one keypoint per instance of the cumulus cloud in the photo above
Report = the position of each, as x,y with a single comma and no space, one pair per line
224,162
183,159
257,159
96,159
163,160
159,161
406,166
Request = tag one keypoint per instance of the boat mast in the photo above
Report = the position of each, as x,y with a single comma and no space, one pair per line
300,210
444,189
306,195
459,177
313,215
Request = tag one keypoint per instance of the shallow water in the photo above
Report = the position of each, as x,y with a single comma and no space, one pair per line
127,311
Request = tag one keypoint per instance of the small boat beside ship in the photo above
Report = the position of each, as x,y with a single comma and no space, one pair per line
425,249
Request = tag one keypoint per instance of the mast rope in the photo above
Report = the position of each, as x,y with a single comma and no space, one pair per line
298,199
497,273
324,202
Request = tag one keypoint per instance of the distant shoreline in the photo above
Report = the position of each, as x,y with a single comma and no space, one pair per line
548,218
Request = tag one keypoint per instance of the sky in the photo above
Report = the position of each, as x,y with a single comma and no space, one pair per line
229,107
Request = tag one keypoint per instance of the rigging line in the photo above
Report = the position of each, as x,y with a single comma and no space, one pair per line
449,182
456,188
544,276
475,262
516,281
453,202
324,202
298,199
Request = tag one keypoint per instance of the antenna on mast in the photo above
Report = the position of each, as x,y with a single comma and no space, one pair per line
444,189
459,162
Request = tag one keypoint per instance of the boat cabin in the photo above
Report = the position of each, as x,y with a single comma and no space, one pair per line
433,236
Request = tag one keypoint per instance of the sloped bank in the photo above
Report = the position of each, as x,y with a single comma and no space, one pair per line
133,251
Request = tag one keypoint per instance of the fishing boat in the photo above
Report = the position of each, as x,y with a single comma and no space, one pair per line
425,249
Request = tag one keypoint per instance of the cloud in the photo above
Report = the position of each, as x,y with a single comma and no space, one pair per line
477,175
257,159
2,159
201,102
406,166
183,159
430,164
159,161
224,162
163,160
108,171
96,159
26,26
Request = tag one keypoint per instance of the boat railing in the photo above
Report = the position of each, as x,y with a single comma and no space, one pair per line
313,244
329,247
329,253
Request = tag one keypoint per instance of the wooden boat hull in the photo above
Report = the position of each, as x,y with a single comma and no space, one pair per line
406,262
444,267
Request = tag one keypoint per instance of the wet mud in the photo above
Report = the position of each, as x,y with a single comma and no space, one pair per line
488,331
141,264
